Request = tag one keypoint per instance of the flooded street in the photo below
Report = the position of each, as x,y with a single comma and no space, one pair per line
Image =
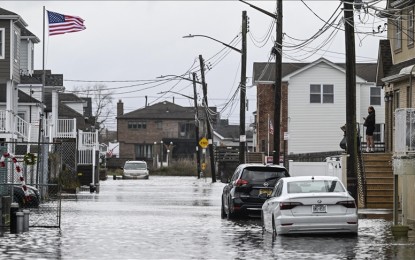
179,218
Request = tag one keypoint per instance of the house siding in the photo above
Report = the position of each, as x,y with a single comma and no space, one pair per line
16,63
316,127
24,56
5,63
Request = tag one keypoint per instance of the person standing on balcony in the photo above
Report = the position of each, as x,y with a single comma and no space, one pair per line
370,123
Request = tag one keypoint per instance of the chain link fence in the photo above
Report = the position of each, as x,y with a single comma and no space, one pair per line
53,169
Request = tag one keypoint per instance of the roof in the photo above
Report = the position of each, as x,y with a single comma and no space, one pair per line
6,14
231,131
25,33
164,110
36,78
264,71
23,97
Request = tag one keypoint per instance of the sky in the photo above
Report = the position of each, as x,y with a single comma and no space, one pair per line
128,45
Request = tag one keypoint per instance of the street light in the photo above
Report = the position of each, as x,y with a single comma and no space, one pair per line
242,51
196,114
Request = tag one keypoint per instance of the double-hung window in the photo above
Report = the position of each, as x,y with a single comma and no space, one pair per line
375,96
410,28
2,44
398,33
321,93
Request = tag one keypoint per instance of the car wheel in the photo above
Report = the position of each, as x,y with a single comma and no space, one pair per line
230,215
222,211
274,230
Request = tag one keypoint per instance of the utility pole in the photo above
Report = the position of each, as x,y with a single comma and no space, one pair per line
242,135
277,86
351,135
209,130
278,72
196,126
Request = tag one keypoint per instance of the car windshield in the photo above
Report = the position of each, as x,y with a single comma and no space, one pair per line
314,186
135,166
263,174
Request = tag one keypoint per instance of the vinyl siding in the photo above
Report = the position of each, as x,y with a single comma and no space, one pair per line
315,127
16,64
24,56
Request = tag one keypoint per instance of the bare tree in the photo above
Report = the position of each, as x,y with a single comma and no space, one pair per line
101,99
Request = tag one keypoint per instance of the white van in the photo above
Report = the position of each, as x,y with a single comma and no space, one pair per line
135,170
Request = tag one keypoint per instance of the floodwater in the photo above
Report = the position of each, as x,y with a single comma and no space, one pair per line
179,218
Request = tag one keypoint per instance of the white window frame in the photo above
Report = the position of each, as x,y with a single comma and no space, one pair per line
398,33
375,96
322,93
2,43
15,45
410,27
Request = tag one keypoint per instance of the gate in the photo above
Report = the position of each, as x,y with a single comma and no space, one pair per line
44,176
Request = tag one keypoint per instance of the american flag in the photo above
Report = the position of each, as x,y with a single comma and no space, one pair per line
271,128
60,23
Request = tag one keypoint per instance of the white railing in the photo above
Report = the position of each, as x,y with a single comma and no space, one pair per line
22,127
66,128
87,145
2,121
404,131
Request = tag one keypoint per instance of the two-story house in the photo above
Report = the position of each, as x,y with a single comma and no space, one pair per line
142,131
313,105
396,68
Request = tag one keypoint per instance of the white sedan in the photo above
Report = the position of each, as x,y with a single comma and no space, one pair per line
306,204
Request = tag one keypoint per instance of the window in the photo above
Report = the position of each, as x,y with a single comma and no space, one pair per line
159,124
398,33
375,97
410,28
137,125
2,44
321,93
143,151
15,40
396,100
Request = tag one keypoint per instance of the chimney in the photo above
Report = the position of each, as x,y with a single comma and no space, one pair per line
120,108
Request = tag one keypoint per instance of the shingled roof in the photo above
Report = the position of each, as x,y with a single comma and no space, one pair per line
36,78
23,97
264,71
164,110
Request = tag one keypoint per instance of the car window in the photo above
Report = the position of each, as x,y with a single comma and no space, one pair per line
135,166
314,186
236,174
278,189
263,174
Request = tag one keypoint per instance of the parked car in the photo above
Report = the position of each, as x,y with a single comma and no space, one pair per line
310,204
135,170
30,201
241,196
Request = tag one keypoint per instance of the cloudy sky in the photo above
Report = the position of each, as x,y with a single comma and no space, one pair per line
128,44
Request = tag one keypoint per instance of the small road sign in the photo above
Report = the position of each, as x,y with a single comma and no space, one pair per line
203,142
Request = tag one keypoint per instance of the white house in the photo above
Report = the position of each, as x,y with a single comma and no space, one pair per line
314,103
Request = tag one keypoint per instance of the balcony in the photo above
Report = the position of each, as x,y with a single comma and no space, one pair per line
21,129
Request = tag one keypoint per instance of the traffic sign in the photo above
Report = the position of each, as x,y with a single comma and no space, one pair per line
203,142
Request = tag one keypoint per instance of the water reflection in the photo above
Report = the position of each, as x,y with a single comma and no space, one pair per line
173,217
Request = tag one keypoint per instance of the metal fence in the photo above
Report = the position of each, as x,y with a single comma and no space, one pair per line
54,168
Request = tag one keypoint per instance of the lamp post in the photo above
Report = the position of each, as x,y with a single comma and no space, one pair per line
242,51
198,167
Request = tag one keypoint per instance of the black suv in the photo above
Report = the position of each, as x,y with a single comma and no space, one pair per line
241,196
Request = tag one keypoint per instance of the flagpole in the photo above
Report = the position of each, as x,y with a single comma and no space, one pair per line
268,135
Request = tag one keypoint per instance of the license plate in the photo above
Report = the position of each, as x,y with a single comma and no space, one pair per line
266,191
319,208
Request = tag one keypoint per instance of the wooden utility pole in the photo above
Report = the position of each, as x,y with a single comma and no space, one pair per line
196,126
242,135
277,86
351,132
209,130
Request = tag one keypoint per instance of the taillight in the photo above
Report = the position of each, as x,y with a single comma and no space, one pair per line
241,182
348,204
289,205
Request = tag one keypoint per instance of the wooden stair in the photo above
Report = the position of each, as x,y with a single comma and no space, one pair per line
379,180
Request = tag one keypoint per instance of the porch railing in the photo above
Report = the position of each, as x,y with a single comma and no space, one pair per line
66,128
21,127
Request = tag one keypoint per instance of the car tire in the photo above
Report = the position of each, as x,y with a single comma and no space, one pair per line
230,215
274,230
222,211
